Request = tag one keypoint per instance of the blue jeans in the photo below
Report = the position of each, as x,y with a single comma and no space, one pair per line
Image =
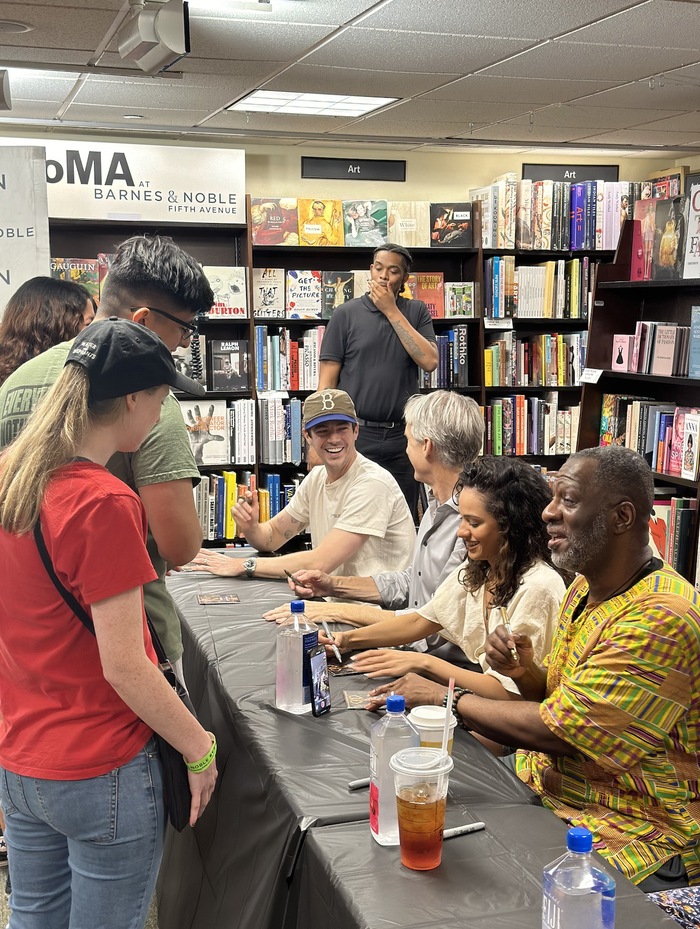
85,854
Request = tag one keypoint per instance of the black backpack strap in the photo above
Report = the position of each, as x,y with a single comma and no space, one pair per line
79,611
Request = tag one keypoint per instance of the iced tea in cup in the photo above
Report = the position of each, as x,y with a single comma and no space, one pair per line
430,723
421,776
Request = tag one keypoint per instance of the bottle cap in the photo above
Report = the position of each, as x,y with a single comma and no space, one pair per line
579,839
297,606
395,703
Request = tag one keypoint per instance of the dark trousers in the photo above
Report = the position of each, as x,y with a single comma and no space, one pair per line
387,447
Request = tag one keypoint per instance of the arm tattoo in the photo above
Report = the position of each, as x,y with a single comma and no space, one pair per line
407,340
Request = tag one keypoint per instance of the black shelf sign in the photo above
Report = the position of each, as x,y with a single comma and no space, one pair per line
353,169
574,173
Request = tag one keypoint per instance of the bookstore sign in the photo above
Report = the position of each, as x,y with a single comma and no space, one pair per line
24,224
144,183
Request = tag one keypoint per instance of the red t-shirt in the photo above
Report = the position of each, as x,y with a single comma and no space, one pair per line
61,720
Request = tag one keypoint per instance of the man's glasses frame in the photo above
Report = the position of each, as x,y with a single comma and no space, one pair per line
188,329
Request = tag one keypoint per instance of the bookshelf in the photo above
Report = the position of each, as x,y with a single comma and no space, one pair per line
618,306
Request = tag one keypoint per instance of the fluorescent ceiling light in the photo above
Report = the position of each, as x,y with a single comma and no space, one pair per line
267,101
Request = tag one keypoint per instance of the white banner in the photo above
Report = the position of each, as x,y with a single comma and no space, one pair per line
143,183
24,223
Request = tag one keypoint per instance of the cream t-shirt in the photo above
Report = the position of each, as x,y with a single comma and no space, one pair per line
366,500
533,611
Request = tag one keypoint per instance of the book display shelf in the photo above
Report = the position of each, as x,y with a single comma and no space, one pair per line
655,414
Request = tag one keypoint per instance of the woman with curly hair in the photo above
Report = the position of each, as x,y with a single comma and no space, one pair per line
42,312
507,576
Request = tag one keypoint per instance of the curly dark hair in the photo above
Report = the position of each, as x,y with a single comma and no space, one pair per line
515,495
42,312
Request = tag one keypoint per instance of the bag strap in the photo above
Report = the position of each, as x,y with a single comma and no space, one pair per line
76,607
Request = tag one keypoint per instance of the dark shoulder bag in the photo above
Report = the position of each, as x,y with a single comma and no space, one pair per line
175,783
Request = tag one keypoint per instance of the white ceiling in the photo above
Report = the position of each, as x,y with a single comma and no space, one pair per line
601,73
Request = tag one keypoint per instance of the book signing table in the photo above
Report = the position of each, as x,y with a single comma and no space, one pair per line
284,844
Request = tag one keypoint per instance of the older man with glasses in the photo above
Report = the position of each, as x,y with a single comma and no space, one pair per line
157,284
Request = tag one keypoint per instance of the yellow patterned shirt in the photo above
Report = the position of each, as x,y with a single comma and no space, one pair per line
623,688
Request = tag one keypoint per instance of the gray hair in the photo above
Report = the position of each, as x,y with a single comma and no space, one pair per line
453,423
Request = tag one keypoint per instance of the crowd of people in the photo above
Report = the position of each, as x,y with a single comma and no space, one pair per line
575,650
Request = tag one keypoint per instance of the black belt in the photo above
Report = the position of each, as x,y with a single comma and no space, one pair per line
387,425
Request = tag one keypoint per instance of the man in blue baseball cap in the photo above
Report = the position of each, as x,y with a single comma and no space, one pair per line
354,509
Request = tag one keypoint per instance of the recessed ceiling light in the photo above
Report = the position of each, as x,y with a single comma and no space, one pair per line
269,101
9,25
133,116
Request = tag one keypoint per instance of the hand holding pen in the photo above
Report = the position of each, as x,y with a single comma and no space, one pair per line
506,624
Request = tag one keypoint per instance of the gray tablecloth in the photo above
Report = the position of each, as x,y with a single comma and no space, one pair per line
283,780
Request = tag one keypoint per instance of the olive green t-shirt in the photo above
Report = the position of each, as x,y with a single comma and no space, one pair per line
165,455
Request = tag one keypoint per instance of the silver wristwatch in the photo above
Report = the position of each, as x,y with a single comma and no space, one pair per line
249,566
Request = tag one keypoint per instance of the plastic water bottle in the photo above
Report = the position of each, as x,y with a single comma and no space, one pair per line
388,736
576,894
295,636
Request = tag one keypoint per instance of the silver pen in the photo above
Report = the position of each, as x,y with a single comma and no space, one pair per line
328,632
359,784
506,624
463,830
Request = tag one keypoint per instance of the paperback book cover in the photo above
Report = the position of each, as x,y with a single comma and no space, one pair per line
691,263
430,288
408,223
338,288
229,286
304,294
190,360
689,468
229,365
274,221
669,239
268,293
365,222
622,348
207,428
83,271
320,222
451,225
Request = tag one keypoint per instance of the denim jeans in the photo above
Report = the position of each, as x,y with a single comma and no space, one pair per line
85,854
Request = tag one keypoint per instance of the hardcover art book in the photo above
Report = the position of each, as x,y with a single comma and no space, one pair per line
320,222
689,463
365,222
229,365
274,221
691,262
408,223
669,239
83,271
268,292
450,225
229,286
190,359
208,430
304,294
338,288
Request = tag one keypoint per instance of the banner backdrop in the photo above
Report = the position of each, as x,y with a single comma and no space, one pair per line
143,183
24,223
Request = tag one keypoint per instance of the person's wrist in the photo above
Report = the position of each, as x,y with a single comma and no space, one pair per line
203,761
459,692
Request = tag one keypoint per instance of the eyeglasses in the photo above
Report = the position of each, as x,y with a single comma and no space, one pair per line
188,329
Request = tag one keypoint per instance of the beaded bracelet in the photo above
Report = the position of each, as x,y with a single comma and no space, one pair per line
198,766
458,694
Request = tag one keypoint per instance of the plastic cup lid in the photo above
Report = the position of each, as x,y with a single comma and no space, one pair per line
421,761
431,717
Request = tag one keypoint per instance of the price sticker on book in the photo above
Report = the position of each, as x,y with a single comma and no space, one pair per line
490,323
591,375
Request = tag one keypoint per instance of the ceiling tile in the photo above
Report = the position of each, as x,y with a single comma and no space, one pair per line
427,111
115,114
255,41
490,88
663,24
298,123
639,95
591,117
608,63
363,48
290,11
509,132
191,92
74,26
532,19
331,80
686,122
647,137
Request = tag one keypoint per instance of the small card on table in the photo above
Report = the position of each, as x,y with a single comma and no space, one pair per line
206,599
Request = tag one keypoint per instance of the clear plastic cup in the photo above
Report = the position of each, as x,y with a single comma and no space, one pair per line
421,776
430,723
